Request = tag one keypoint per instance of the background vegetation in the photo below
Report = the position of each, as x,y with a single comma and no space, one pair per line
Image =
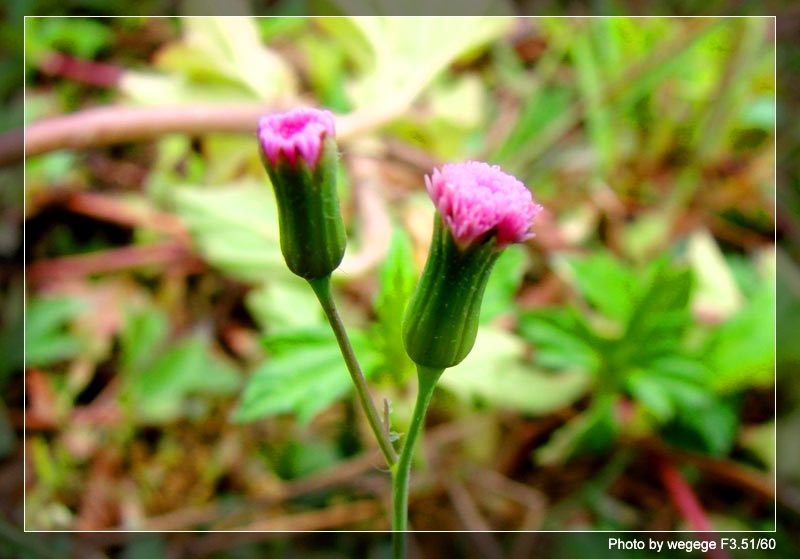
179,378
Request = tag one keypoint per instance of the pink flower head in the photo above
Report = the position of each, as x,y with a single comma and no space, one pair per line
475,198
299,132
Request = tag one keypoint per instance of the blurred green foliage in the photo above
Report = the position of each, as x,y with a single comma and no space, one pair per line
644,307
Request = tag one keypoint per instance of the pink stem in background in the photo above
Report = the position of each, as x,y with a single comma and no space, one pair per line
116,210
162,254
685,500
87,72
115,124
683,497
103,126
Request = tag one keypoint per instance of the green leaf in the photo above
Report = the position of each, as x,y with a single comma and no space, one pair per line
494,373
144,331
218,58
648,391
286,303
454,117
741,352
503,283
159,392
226,155
305,375
679,367
539,112
47,338
669,384
660,311
235,228
592,431
81,37
603,281
280,26
562,339
397,279
410,8
708,427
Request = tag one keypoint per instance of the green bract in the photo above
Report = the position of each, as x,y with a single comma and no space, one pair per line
441,322
299,152
312,232
479,211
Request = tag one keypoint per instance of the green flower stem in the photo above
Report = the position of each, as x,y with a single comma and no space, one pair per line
322,288
402,469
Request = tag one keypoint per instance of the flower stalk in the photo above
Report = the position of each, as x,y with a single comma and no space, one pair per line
299,152
322,289
401,471
480,210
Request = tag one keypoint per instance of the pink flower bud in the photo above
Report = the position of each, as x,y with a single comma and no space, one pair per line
481,210
476,199
297,133
300,156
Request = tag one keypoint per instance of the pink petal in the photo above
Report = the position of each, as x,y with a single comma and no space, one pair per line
475,198
296,133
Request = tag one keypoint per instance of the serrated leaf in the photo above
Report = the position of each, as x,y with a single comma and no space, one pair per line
397,278
158,393
663,391
235,228
660,308
648,391
741,353
603,281
709,427
495,373
305,375
561,339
